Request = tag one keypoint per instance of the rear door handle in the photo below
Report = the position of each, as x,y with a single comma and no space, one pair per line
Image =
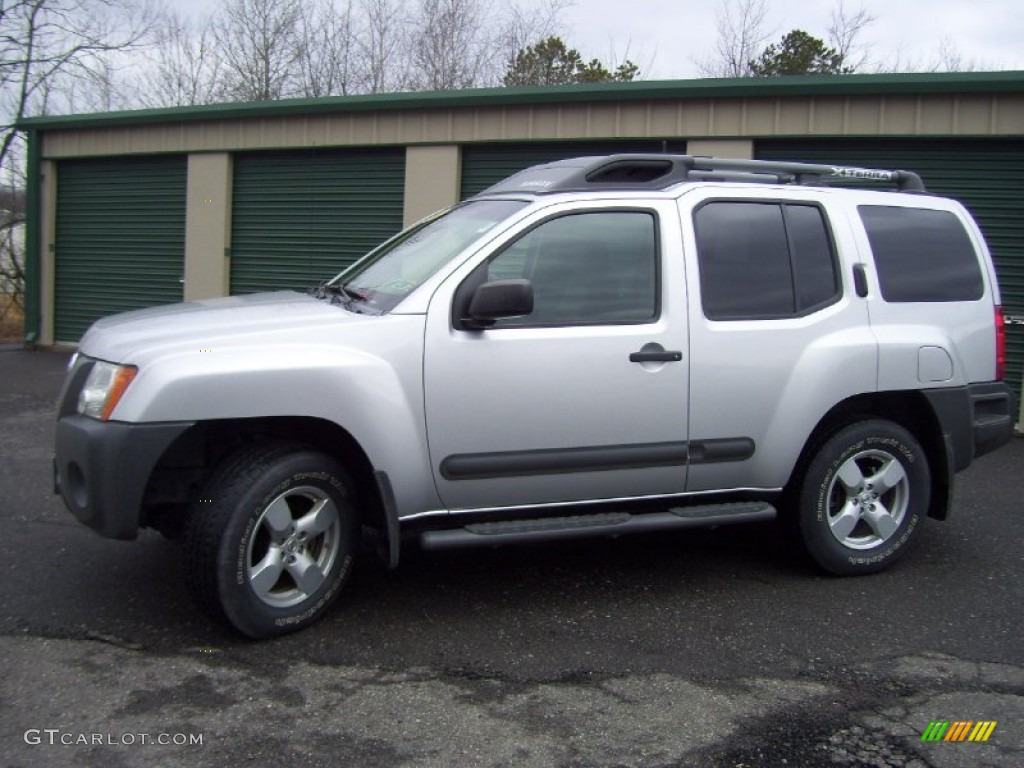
658,355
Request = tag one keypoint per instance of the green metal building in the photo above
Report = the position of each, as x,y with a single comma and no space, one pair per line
131,209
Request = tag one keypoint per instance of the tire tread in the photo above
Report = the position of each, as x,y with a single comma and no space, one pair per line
205,521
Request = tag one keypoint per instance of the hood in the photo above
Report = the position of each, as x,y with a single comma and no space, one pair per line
229,321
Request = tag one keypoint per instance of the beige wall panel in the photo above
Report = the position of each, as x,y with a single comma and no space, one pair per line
387,128
735,149
664,119
826,118
249,134
489,123
793,118
410,128
972,114
272,133
545,123
82,143
604,120
864,116
900,116
575,122
694,118
727,119
1009,118
433,177
140,140
136,141
935,116
967,115
517,123
207,225
464,125
434,126
634,120
364,129
337,130
761,117
47,247
173,135
216,134
317,130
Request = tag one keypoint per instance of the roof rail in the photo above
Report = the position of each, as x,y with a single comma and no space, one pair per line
653,171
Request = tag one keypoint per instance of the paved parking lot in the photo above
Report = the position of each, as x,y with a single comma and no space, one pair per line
706,648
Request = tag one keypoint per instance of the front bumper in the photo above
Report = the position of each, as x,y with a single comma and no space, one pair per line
101,469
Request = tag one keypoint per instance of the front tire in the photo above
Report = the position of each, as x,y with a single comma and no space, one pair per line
863,497
272,539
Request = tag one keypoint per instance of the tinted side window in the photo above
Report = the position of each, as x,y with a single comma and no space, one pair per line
597,267
922,255
744,261
813,261
763,260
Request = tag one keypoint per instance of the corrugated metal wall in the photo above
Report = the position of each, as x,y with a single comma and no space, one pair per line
120,238
985,175
301,217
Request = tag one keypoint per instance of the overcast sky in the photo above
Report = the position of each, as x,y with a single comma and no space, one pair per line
666,36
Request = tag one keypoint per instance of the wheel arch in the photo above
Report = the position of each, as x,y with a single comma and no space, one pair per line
189,461
911,410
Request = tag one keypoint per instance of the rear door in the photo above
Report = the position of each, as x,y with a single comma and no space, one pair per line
778,334
564,405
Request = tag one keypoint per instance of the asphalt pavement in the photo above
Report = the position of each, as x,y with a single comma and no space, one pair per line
700,648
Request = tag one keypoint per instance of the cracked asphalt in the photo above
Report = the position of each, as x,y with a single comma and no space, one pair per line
703,648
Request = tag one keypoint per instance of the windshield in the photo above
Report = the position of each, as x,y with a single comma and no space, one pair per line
389,274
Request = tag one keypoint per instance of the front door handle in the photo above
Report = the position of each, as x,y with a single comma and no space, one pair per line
655,353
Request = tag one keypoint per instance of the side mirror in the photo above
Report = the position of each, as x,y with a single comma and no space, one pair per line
498,299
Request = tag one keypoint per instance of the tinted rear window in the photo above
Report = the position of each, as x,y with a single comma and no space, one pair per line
922,255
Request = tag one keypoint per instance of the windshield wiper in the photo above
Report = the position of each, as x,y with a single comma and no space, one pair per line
322,290
339,295
352,293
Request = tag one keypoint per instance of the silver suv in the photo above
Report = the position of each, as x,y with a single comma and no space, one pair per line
590,347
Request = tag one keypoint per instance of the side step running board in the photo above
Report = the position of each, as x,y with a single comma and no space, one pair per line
602,524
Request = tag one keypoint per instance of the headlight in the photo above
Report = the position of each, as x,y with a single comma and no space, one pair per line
103,388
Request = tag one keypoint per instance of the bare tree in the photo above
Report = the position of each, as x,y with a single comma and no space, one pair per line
846,28
522,26
12,241
258,43
186,69
949,58
742,32
326,49
450,44
46,42
381,42
52,52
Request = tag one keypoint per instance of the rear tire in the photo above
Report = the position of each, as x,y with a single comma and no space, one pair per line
272,539
863,497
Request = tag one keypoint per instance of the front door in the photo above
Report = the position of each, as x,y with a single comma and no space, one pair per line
585,398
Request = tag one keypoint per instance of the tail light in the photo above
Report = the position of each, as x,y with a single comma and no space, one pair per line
1000,344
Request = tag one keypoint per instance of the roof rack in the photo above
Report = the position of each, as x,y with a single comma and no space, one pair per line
652,171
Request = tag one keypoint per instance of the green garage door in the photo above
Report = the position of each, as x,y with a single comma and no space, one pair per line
984,175
120,238
487,164
300,217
